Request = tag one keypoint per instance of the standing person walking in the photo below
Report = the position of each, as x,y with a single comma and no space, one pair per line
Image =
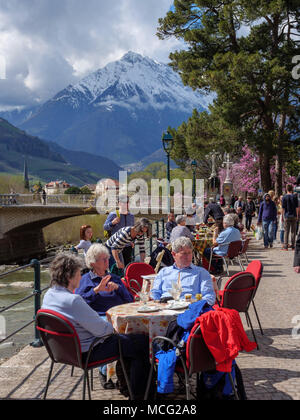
119,219
249,212
290,214
267,216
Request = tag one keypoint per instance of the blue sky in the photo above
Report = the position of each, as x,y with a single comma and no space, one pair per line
49,44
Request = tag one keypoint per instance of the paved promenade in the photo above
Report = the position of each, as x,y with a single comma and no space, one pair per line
272,372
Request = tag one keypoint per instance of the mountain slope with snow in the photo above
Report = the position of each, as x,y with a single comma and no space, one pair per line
118,111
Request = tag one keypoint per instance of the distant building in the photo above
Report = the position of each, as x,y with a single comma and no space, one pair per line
107,185
56,187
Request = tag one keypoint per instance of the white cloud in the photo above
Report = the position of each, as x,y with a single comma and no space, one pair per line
48,44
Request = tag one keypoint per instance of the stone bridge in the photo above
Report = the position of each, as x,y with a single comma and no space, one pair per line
22,219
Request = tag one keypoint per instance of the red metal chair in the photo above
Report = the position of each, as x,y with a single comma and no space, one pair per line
63,346
133,276
234,249
243,251
198,359
238,294
256,268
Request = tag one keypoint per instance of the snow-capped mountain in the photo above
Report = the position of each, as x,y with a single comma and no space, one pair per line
134,80
118,111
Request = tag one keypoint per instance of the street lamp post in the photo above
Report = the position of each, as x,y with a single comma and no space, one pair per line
194,168
168,143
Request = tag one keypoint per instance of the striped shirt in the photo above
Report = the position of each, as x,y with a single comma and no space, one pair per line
121,239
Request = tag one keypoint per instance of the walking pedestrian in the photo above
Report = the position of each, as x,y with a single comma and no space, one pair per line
249,212
267,216
290,208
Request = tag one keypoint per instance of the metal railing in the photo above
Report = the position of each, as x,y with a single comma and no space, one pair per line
36,294
159,232
36,199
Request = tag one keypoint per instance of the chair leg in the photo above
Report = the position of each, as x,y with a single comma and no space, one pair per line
149,380
48,380
124,370
88,384
241,263
92,380
261,330
72,371
226,265
233,386
254,336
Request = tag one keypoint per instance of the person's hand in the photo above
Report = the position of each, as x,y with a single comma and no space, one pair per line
106,285
297,269
116,221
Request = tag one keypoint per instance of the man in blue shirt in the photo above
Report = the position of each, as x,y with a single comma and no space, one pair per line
220,247
192,279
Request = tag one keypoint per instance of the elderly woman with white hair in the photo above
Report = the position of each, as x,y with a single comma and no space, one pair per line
181,229
98,288
101,290
221,244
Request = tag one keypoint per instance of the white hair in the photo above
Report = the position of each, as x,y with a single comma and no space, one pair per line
179,219
181,242
93,253
228,220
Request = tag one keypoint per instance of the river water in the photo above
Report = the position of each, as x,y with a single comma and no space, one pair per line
20,314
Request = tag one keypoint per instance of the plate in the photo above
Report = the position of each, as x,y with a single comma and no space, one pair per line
178,305
148,309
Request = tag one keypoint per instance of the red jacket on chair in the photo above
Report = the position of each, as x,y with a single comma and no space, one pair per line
224,335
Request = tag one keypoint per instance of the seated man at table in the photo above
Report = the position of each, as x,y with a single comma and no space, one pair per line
181,229
102,291
220,246
65,277
193,279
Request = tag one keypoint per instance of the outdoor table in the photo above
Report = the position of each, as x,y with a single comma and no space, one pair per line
199,246
126,319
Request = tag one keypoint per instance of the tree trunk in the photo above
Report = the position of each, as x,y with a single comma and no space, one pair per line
278,174
265,174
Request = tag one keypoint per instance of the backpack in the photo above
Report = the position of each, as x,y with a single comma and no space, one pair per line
214,385
107,233
167,259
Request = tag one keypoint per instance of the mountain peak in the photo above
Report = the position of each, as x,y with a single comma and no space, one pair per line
132,57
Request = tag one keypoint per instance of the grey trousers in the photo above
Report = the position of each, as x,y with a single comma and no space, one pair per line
290,226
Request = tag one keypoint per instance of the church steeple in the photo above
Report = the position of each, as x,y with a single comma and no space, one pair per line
26,179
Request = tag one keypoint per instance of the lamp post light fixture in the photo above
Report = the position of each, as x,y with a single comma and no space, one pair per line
168,143
194,168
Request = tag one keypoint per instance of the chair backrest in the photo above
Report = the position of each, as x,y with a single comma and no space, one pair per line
135,271
59,337
256,268
245,244
234,249
198,356
239,291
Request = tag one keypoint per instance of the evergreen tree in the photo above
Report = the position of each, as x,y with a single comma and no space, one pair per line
243,51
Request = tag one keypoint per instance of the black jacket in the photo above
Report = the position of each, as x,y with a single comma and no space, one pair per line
249,208
213,210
